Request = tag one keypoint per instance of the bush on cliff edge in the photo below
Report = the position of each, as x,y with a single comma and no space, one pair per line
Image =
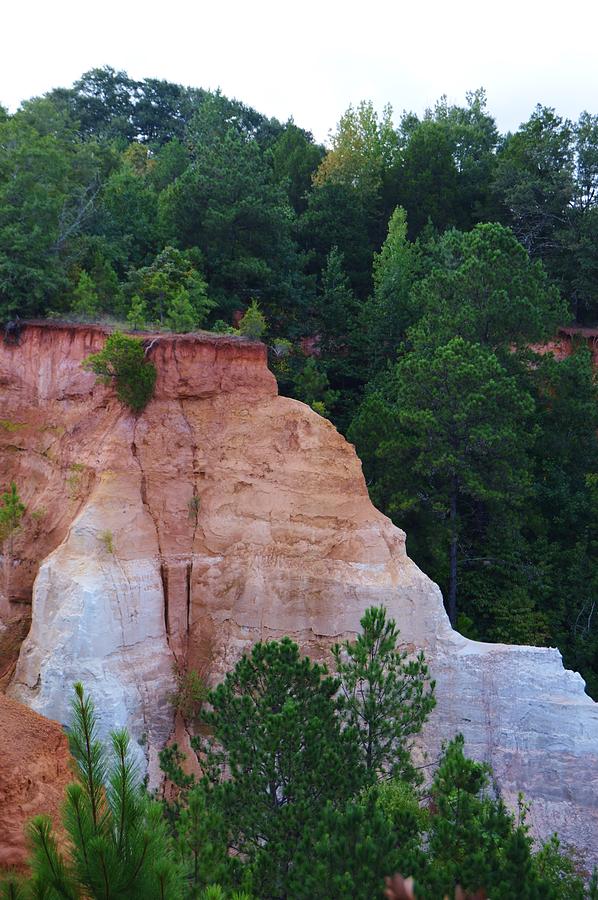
122,362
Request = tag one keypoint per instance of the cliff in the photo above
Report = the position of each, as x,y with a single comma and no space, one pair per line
225,514
34,772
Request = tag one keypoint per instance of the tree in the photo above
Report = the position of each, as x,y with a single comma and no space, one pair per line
561,523
116,837
122,362
228,205
137,314
462,429
364,148
386,697
312,387
295,158
180,314
534,179
253,324
336,217
85,297
487,290
346,853
161,282
127,214
391,312
428,186
472,137
474,841
279,743
48,190
335,308
11,514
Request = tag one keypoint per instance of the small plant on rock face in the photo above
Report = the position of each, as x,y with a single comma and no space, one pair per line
190,694
73,480
11,513
107,539
193,506
122,362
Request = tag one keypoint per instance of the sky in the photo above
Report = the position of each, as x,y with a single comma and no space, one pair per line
309,59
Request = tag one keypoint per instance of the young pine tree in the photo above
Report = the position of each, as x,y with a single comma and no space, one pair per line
85,297
253,324
117,846
180,316
386,697
280,745
137,314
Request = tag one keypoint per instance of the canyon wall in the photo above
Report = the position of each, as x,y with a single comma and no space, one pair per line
222,515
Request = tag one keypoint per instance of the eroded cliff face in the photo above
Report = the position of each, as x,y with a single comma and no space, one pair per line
34,772
226,514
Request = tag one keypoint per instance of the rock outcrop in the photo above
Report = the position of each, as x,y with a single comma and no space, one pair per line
225,514
34,772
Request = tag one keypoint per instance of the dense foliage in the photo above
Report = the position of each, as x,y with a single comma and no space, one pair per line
405,253
122,361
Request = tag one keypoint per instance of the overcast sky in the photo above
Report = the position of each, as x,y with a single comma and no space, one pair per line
310,59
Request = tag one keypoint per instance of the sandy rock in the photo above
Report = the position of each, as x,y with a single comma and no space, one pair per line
34,772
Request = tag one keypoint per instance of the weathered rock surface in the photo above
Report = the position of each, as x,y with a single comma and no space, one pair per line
234,514
34,772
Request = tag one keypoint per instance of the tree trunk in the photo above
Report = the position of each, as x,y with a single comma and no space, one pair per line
452,597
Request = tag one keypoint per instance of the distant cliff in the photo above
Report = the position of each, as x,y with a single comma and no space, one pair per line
225,514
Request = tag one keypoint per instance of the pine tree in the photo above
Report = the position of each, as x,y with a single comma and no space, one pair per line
253,324
386,697
117,841
180,315
137,315
391,311
85,297
279,740
312,386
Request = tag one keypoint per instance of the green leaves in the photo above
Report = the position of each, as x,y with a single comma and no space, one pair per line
122,361
11,512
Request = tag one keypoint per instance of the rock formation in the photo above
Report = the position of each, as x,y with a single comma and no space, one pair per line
225,514
34,772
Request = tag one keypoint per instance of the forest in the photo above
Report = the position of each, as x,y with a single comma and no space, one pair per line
404,279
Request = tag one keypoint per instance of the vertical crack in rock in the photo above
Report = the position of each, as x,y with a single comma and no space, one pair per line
144,500
164,580
189,572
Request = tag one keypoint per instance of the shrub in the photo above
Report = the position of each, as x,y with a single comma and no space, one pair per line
253,324
122,362
190,694
222,327
107,539
137,314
